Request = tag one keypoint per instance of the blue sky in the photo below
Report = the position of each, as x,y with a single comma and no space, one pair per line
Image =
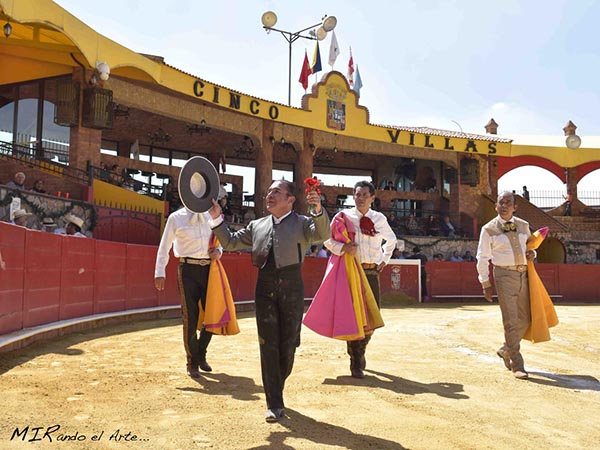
531,65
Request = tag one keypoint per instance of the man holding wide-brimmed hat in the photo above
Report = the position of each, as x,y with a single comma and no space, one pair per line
188,232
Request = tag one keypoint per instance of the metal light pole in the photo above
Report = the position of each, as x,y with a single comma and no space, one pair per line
328,23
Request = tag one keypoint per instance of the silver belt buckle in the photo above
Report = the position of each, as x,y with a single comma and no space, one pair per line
522,268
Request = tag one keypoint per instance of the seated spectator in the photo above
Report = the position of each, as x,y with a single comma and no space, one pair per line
447,228
390,186
38,186
468,257
116,176
18,181
397,254
455,257
412,226
73,227
432,226
318,251
394,223
21,218
376,206
438,257
48,225
226,208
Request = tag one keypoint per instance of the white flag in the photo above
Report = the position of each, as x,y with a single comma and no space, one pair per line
334,49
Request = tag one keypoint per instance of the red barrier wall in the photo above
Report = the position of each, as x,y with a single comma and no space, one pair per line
78,277
12,246
51,277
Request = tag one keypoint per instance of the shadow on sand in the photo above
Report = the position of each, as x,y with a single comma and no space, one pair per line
400,385
575,382
300,426
239,388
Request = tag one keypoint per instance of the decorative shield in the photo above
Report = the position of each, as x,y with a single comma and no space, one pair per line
198,184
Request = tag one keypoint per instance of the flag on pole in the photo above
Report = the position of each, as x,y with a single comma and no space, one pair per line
316,62
351,70
305,72
357,82
334,49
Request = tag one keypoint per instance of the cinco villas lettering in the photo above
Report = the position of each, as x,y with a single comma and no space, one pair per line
425,140
234,100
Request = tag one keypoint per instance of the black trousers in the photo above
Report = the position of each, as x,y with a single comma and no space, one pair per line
357,349
193,282
279,310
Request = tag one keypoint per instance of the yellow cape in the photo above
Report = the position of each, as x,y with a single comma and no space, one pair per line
219,317
543,315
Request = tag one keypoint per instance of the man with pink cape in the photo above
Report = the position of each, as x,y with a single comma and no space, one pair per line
346,305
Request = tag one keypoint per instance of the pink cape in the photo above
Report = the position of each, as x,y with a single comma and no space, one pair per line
344,306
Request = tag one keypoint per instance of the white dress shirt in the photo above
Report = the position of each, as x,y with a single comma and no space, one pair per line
188,233
371,249
502,248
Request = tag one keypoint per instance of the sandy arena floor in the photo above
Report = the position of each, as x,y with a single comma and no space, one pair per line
433,382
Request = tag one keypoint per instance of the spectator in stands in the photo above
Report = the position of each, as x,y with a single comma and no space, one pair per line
448,229
318,251
438,257
73,227
432,226
412,226
38,186
21,218
390,186
455,257
420,256
394,223
468,257
115,175
525,193
18,181
397,254
222,191
226,208
568,205
48,225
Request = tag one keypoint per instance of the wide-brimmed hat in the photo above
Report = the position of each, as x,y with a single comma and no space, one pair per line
198,184
70,218
20,213
48,222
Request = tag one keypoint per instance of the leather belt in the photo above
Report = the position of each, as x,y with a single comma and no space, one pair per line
196,261
368,266
519,268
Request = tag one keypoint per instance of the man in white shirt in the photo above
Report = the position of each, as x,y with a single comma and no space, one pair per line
503,241
374,244
189,234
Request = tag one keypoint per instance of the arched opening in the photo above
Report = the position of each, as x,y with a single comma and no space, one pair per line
546,190
588,189
551,251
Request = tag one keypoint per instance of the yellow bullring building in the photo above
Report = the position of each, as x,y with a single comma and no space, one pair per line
73,102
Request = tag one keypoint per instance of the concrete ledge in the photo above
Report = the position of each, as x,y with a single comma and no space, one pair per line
23,338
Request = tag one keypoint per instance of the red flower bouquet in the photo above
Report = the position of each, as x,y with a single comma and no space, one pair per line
312,184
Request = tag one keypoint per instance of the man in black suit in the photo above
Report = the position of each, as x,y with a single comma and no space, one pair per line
279,242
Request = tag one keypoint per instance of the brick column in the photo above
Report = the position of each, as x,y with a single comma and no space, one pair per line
303,170
264,169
